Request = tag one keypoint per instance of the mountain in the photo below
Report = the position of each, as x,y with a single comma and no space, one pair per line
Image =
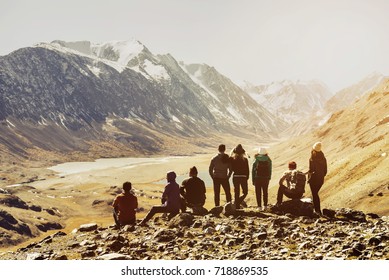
66,96
290,101
347,96
229,101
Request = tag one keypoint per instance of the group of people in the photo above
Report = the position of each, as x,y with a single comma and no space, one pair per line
192,192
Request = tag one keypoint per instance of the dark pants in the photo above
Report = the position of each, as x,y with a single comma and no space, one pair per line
261,185
282,190
187,204
240,182
160,209
216,189
315,188
122,223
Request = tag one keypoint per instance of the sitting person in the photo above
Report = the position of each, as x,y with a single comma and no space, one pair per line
124,206
171,200
192,190
295,183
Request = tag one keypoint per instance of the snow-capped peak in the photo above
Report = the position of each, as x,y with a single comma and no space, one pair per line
119,51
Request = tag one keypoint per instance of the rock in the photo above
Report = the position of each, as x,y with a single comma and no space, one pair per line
128,228
223,228
229,209
113,256
116,245
88,227
216,211
49,226
373,215
35,256
183,219
329,213
261,235
209,230
351,215
380,194
164,235
296,207
13,201
35,208
375,240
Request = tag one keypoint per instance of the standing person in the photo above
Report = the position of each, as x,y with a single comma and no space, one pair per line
261,174
241,171
124,206
295,183
193,190
220,172
171,200
317,172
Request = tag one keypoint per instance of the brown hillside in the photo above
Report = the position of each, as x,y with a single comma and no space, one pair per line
355,142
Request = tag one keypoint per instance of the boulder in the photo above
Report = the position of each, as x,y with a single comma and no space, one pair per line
216,211
183,219
350,215
296,207
164,235
229,209
88,227
198,211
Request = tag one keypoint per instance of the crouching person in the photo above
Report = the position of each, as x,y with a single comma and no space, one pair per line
295,183
171,200
124,206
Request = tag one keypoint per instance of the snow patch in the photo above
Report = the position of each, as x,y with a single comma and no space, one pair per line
10,124
175,119
95,70
157,72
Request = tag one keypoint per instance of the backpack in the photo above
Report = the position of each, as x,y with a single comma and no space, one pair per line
297,181
263,169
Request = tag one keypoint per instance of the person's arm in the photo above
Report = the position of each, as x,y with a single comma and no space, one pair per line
136,202
247,169
325,167
281,182
229,168
115,204
211,166
253,171
271,167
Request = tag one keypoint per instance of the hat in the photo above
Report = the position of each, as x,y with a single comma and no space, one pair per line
262,151
317,146
239,150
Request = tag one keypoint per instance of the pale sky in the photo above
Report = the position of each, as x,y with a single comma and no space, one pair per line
336,41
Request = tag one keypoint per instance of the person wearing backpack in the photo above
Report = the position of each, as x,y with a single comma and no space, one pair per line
317,172
295,183
171,200
241,174
261,175
220,172
124,206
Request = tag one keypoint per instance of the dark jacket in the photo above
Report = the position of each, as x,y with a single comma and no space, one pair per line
259,158
240,167
125,205
193,190
171,196
220,166
317,168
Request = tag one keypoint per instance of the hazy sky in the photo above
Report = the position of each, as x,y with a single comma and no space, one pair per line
336,41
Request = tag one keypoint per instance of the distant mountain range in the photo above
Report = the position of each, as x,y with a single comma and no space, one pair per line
75,92
63,96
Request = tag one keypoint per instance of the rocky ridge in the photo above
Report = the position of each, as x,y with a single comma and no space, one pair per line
225,234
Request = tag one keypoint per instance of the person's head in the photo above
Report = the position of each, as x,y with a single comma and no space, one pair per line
222,148
292,165
127,186
262,151
193,171
317,147
239,150
171,176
